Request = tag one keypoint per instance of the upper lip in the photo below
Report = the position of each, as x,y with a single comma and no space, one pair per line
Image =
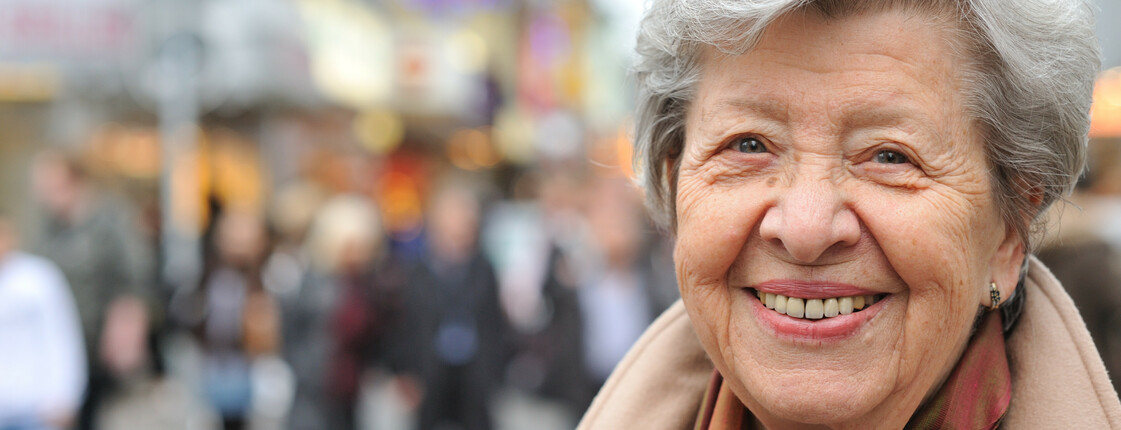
811,289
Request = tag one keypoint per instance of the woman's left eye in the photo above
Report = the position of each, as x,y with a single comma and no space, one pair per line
888,156
749,145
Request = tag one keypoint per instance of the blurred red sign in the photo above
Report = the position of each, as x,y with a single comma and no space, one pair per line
59,29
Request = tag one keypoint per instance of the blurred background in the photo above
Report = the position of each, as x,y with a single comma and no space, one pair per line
356,214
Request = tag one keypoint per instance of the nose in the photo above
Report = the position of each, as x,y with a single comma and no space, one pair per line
810,217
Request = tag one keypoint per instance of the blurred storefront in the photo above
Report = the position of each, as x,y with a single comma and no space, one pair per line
48,50
182,105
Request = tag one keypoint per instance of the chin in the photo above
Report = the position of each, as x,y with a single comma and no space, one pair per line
830,400
814,407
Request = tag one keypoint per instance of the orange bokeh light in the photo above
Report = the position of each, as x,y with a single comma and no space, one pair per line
1105,114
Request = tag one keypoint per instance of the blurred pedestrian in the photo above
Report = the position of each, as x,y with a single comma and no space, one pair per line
293,208
287,271
42,363
93,236
457,331
235,318
617,297
144,398
542,295
337,323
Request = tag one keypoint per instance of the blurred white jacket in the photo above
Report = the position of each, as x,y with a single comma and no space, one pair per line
42,357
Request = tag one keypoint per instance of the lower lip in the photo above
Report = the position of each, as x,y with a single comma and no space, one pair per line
820,330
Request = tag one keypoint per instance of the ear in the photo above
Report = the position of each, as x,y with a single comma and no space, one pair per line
1005,266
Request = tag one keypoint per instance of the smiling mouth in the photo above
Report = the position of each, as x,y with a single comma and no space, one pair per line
815,309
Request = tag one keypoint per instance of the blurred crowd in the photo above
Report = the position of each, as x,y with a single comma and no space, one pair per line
505,310
505,307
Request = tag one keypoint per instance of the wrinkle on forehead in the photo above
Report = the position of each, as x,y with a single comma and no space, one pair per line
720,107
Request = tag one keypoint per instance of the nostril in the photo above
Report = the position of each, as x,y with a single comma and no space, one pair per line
770,227
777,243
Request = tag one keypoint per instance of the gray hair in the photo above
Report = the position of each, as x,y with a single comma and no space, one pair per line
1029,80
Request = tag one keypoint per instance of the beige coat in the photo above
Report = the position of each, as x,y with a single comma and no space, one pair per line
1058,381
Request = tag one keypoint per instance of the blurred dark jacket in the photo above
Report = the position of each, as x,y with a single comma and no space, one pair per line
103,256
306,328
555,352
335,328
455,339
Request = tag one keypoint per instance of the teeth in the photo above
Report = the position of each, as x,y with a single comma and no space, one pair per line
831,309
795,307
815,310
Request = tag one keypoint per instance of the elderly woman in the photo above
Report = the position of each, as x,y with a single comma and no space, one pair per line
853,186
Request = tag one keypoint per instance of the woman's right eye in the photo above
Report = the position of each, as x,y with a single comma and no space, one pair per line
888,156
749,145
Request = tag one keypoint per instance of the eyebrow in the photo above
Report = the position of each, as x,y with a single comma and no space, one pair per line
767,109
882,115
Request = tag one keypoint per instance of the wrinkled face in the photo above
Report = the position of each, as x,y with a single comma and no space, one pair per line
833,165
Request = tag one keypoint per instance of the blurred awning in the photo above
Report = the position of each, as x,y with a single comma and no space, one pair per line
28,82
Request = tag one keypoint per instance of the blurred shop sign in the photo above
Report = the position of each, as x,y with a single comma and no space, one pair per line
350,48
439,71
364,59
66,29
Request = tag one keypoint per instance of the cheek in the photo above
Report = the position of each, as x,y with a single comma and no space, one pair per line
713,224
939,244
938,241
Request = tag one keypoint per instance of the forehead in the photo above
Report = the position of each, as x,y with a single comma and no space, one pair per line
885,68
